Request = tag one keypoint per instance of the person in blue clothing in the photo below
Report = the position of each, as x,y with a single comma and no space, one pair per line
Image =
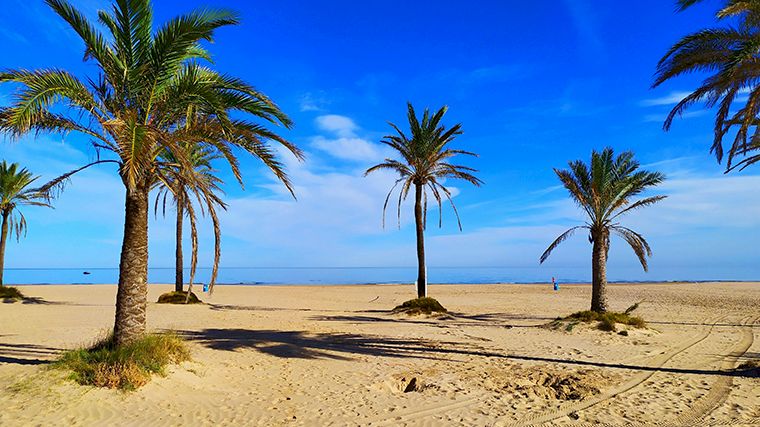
555,284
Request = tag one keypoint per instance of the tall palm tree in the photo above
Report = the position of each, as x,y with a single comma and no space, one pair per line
729,56
604,190
151,95
14,193
205,189
425,155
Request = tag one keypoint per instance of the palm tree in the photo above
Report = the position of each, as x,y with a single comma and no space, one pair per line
151,95
604,189
205,189
15,192
424,165
729,55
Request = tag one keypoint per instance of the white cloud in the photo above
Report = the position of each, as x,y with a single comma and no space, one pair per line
341,125
356,149
346,145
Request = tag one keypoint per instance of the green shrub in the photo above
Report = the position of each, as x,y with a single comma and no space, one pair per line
424,305
9,292
125,367
175,297
608,320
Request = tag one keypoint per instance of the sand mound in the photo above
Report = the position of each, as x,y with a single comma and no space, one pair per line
546,384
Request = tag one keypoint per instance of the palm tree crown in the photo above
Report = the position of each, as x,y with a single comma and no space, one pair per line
604,190
15,192
730,56
425,160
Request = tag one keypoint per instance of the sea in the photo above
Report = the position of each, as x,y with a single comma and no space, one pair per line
381,275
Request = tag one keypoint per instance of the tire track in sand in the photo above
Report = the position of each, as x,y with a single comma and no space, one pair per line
656,363
541,418
721,388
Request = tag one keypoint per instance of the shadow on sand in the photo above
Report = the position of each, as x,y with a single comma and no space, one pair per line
296,344
450,319
27,354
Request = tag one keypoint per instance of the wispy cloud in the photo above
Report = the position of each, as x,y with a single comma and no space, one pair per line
13,36
313,102
346,144
584,20
44,22
661,117
677,96
670,99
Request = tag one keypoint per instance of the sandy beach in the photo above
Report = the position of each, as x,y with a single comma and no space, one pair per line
335,355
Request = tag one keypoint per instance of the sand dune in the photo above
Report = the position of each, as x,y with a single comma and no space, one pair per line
334,355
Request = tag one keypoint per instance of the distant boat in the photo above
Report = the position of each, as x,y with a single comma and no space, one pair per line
86,273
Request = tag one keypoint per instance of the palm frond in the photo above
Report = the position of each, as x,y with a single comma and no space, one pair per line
637,242
562,237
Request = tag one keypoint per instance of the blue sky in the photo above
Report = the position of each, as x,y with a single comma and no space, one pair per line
534,85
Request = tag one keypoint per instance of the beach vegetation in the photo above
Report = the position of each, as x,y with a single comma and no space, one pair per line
604,189
608,320
728,54
424,165
181,297
16,191
424,305
153,93
125,366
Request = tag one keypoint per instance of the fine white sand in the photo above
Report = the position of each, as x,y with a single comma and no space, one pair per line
335,355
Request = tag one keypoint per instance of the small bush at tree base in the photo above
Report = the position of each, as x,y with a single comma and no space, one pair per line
424,305
175,297
9,292
608,320
124,367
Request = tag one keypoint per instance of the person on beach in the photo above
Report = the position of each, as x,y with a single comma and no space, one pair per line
555,284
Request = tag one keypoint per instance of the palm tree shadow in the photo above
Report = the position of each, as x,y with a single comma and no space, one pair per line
297,344
33,300
502,320
27,354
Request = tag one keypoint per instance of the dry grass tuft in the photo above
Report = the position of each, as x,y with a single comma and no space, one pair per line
125,367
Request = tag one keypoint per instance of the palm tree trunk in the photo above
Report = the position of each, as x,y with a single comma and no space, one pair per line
178,275
599,273
3,238
418,218
131,298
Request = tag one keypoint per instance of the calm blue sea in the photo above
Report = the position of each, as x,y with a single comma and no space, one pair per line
372,275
